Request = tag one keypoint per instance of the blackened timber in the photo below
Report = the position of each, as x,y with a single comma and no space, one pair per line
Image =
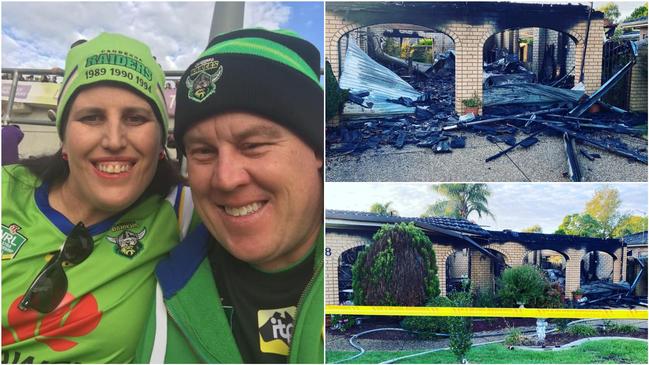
498,119
587,155
459,235
512,147
598,144
563,78
608,85
574,172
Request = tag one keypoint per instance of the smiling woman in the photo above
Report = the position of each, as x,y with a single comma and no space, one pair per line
109,195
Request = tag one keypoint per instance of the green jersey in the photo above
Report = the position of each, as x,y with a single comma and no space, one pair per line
103,313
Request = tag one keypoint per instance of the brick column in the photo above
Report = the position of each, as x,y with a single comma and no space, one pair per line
619,265
442,252
573,270
469,41
593,61
481,273
638,102
538,49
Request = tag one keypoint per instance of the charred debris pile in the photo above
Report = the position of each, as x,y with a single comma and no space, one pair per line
517,112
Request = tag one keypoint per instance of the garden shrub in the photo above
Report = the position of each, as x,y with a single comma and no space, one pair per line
459,328
485,299
582,330
426,327
621,328
552,297
399,268
523,285
514,337
336,97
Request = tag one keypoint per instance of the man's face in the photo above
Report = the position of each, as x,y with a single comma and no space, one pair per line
257,187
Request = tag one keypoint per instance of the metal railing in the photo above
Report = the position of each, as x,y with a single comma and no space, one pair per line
16,73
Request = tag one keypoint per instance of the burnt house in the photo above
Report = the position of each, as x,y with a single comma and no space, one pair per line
465,250
565,31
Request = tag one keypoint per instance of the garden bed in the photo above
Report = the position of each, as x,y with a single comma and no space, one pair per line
562,338
479,325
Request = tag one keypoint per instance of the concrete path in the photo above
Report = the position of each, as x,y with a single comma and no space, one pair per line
544,161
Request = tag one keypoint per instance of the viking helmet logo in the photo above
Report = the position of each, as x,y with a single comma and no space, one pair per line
128,243
202,78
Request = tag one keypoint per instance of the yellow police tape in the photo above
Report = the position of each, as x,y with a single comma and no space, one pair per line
487,312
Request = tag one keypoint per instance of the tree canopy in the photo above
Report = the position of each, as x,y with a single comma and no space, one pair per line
533,229
610,10
384,209
630,224
603,206
580,225
460,201
639,12
601,218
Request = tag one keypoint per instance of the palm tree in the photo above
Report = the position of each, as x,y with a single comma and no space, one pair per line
461,200
384,209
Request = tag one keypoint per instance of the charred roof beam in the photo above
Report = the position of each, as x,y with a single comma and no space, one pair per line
608,85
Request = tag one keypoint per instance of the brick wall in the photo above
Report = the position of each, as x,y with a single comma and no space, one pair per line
638,102
538,49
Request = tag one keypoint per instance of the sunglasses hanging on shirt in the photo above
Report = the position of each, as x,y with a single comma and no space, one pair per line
48,289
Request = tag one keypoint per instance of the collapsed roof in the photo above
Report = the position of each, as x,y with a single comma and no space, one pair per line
478,236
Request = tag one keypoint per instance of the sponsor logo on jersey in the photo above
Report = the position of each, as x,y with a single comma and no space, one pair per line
202,79
75,318
128,243
275,329
12,241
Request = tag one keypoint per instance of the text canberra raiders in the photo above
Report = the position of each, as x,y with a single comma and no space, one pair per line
120,60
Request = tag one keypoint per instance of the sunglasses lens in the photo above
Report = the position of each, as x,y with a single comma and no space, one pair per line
47,291
78,246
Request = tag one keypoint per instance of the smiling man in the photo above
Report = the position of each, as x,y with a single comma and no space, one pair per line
247,285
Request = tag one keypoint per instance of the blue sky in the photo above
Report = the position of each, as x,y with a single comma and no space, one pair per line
515,205
38,34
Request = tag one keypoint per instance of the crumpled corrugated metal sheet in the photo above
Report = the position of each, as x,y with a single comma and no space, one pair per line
529,94
361,73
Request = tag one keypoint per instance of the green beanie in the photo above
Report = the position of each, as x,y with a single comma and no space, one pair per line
113,58
274,74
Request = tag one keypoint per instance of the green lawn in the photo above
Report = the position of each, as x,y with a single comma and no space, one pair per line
596,352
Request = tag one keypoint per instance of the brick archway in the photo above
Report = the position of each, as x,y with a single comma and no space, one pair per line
336,244
331,48
469,28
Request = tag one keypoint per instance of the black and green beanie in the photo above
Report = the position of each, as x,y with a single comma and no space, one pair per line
274,74
114,59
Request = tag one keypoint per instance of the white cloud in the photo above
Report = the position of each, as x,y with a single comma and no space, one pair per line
267,15
515,205
39,34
